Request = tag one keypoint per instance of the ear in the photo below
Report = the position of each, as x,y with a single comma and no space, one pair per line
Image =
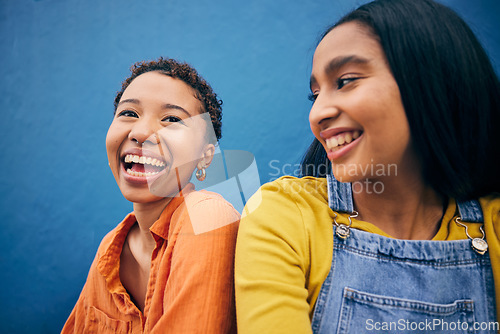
206,158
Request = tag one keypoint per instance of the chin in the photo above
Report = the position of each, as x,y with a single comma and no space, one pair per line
137,197
346,174
345,178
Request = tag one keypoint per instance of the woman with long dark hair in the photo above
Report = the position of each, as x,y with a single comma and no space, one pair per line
402,231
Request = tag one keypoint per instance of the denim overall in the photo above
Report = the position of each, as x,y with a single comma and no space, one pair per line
384,285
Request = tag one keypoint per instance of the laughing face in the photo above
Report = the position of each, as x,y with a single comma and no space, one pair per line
358,115
157,138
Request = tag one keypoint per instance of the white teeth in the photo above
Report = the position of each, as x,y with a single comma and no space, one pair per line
140,174
143,160
332,142
341,139
348,137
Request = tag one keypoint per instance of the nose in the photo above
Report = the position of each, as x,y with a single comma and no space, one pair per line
144,131
323,109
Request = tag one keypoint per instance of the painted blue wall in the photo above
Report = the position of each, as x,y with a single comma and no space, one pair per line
63,61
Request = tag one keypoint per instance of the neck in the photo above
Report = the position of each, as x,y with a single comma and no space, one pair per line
147,214
404,210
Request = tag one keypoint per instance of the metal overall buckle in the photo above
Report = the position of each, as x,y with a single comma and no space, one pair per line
479,245
344,231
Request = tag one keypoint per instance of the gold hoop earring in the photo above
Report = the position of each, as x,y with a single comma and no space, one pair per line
201,174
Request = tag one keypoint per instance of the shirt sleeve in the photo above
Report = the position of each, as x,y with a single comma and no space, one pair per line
272,261
199,295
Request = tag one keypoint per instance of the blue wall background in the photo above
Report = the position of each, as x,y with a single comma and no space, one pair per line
63,61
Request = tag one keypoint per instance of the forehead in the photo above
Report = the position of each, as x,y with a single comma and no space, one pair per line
156,85
348,39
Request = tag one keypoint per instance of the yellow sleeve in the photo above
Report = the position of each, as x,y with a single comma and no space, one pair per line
272,264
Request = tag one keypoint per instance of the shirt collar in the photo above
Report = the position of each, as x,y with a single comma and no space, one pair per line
109,262
161,227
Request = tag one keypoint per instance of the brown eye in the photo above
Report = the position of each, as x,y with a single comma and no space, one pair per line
172,119
128,113
341,82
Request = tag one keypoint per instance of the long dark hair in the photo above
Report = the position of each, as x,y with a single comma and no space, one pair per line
449,90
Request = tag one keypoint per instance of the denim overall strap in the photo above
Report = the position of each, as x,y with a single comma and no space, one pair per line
339,195
340,200
470,211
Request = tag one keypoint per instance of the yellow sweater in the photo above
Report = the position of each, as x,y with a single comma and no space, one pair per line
285,246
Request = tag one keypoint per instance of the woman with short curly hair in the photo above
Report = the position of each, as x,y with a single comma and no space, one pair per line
168,266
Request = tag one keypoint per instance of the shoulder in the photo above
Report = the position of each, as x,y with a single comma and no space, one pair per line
289,208
491,208
305,186
288,193
212,202
209,211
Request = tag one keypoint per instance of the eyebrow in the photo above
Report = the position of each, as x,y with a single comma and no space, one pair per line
135,101
165,106
336,63
176,107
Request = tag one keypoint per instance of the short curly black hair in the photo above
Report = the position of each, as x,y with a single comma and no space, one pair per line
190,76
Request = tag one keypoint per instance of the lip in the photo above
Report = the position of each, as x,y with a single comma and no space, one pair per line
141,179
325,134
334,155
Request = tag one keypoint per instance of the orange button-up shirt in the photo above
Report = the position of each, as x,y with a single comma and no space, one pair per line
190,288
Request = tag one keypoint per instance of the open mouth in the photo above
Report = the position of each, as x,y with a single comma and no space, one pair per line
341,140
142,166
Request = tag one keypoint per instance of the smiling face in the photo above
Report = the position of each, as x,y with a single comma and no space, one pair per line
358,115
157,138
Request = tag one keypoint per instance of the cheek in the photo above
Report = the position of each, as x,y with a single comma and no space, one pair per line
383,109
182,146
111,142
114,138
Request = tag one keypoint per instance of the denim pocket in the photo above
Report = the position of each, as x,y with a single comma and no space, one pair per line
363,312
